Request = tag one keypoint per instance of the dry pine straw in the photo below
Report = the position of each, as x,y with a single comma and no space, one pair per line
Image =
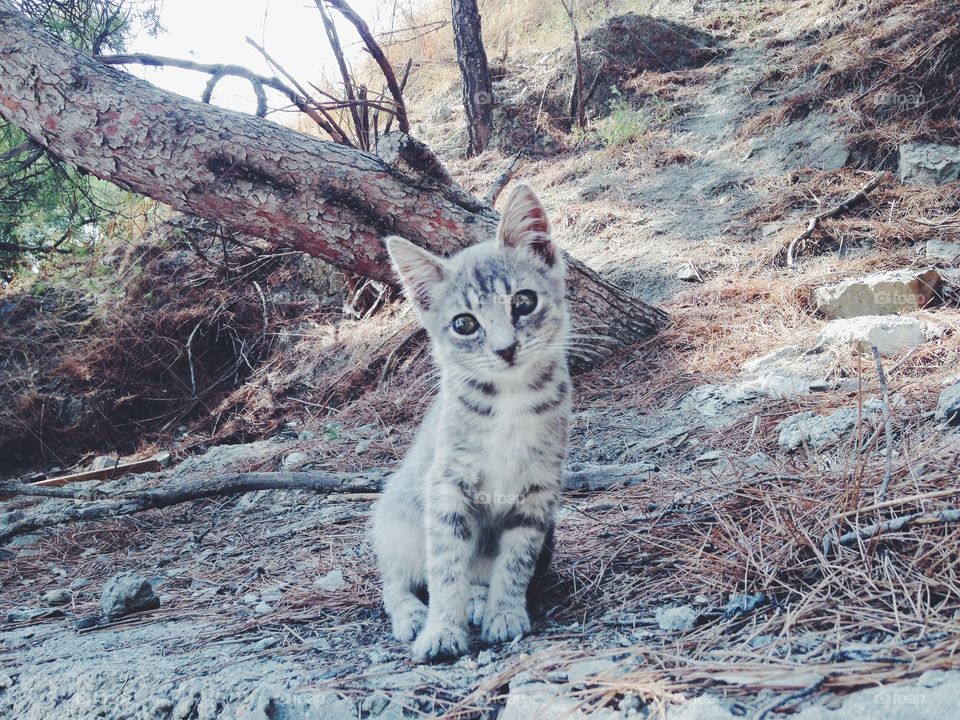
736,530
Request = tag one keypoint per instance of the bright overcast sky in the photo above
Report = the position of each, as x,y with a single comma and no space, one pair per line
215,31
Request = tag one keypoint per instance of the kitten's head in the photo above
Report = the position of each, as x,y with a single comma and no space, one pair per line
496,308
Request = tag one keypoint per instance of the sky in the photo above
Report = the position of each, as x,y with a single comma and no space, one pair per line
215,31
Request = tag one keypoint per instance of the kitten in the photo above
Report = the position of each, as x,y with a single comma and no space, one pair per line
471,509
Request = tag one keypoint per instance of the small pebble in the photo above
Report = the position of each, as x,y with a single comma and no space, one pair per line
60,596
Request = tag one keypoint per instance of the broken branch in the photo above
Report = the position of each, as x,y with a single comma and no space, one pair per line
950,515
579,478
814,222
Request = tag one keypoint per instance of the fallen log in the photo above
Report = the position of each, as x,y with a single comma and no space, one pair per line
86,507
261,178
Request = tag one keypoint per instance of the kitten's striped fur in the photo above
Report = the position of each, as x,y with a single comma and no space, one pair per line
472,507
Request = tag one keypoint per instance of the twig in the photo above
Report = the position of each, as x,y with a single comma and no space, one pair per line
950,515
378,55
888,465
814,222
934,495
216,71
501,182
303,101
193,379
326,483
577,98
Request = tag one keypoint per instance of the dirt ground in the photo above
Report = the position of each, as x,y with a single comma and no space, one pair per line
721,579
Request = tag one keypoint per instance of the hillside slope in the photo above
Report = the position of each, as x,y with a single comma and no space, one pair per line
786,540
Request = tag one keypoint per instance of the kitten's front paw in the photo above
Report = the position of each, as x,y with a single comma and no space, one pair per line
437,642
409,621
477,604
505,624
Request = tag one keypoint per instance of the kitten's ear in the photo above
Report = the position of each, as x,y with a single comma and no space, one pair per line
524,222
419,270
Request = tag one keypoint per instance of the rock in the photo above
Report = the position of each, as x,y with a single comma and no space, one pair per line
677,618
689,273
60,596
164,458
772,359
711,456
948,406
743,604
883,293
79,583
928,163
713,401
104,462
705,707
375,704
943,250
333,580
306,435
580,672
754,146
539,700
294,461
933,678
25,614
125,593
362,446
894,701
815,431
889,333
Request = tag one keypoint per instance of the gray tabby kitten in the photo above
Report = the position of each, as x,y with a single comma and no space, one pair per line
469,512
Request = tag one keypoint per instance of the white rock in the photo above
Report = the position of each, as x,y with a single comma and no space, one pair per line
689,273
771,359
883,293
815,431
943,250
333,580
164,458
60,596
678,618
539,700
889,333
295,461
705,707
928,163
580,672
103,462
948,406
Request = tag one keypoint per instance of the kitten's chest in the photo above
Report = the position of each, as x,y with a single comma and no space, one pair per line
515,448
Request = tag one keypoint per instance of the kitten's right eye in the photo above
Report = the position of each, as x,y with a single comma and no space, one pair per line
465,324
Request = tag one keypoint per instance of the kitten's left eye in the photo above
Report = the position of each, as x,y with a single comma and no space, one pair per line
524,302
465,324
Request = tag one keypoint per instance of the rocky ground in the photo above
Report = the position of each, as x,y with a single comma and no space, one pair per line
783,536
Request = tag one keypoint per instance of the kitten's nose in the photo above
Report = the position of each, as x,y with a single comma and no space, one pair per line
508,353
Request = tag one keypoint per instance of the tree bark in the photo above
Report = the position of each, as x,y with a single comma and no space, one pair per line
472,59
330,201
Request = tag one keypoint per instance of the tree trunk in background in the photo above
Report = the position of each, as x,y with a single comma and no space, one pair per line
330,201
472,59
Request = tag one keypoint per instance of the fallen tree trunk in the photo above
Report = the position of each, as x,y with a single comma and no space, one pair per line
331,201
86,506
